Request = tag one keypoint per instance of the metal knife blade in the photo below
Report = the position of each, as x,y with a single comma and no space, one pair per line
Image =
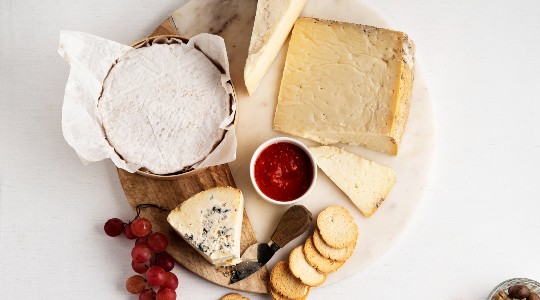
294,222
256,256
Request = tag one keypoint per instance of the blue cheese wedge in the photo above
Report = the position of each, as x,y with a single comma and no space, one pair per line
365,182
211,222
346,83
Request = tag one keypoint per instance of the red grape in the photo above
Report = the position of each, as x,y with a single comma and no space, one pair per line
171,281
114,227
165,261
141,253
141,240
153,259
166,294
135,284
141,227
128,232
140,268
157,242
147,294
155,276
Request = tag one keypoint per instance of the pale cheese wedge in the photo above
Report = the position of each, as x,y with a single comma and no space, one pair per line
365,182
346,83
211,222
274,20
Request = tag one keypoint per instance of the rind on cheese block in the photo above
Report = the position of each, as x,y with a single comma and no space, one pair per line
365,182
274,20
211,222
346,83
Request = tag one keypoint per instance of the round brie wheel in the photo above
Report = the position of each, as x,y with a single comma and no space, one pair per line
162,106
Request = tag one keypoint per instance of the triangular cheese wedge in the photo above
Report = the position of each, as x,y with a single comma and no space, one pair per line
365,182
211,222
274,20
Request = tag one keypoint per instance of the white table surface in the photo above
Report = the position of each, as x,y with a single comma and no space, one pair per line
477,225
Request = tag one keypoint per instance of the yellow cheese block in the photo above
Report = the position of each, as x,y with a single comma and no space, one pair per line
346,83
365,182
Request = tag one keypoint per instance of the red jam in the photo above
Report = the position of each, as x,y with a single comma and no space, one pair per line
283,171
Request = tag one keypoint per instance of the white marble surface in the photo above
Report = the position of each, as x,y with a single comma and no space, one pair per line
254,126
477,225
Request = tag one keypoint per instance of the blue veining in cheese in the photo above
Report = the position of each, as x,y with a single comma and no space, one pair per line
211,222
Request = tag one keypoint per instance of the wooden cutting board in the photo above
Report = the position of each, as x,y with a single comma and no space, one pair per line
170,193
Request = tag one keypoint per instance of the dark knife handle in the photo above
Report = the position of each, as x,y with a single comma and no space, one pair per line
295,221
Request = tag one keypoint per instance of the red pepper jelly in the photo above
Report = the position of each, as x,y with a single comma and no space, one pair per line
283,171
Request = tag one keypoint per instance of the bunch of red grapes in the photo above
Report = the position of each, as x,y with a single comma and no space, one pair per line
149,259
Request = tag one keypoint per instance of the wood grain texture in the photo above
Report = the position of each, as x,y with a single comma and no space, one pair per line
165,28
294,222
170,193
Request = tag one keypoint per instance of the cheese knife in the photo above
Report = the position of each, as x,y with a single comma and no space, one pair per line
294,222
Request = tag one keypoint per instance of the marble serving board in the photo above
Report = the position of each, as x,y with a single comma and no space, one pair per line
233,20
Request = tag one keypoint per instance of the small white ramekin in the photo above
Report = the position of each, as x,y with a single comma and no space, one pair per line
275,141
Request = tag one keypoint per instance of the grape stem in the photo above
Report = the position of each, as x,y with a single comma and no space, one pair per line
147,205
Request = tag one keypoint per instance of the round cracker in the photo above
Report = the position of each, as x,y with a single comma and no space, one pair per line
283,282
337,227
233,296
329,252
319,262
302,270
277,296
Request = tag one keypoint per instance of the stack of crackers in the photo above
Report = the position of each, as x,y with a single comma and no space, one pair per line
324,252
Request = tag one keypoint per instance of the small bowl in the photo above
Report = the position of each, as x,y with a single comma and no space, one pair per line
275,141
533,285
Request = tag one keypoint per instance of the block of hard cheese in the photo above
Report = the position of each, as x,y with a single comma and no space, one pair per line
346,83
365,182
274,20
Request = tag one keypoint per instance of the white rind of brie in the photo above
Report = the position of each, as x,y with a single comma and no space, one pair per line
274,20
162,107
91,59
211,222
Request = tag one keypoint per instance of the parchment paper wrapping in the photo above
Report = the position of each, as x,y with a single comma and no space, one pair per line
91,58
